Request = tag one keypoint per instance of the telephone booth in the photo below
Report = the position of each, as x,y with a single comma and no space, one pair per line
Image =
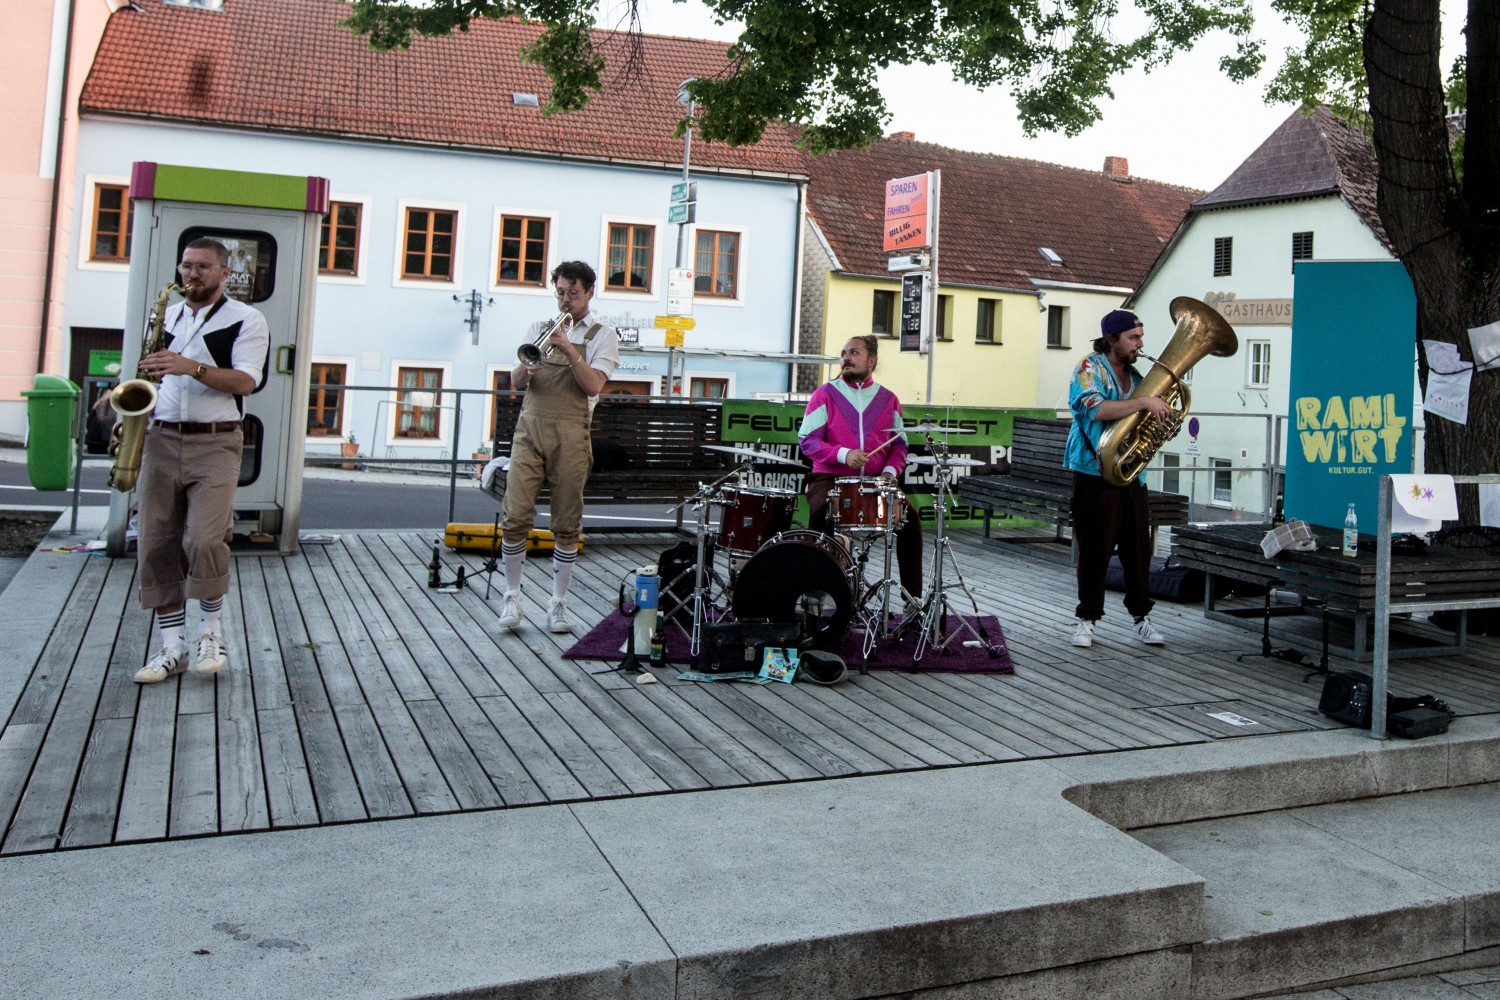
270,224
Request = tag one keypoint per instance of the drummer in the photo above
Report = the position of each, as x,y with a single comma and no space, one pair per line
853,428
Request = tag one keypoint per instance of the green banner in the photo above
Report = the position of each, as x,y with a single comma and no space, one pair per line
984,436
104,363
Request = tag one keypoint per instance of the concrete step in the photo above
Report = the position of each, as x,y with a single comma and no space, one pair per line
1332,893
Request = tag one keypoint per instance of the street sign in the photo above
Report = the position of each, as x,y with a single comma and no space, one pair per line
674,338
1192,426
912,288
682,213
675,323
679,291
684,191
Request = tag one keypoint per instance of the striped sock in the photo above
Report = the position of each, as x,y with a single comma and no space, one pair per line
169,625
209,612
513,555
562,570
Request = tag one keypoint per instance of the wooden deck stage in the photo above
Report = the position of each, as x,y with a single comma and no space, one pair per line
355,693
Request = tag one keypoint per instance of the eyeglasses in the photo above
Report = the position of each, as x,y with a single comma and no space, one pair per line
570,293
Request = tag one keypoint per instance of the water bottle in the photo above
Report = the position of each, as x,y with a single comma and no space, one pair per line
1351,533
647,588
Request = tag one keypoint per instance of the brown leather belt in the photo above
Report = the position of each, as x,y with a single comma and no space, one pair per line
188,427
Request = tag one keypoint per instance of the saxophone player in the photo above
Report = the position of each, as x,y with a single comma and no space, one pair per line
1104,515
190,464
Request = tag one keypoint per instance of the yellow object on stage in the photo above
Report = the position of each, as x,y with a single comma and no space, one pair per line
481,538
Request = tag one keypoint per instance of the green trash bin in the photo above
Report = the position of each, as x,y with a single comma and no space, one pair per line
51,449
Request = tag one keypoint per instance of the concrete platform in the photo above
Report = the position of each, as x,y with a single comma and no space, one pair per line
969,882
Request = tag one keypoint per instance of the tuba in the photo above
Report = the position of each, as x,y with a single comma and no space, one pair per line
1129,444
134,400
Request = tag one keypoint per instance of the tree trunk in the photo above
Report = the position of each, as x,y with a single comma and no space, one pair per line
1447,235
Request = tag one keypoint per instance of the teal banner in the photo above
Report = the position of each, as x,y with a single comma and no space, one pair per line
1354,329
984,438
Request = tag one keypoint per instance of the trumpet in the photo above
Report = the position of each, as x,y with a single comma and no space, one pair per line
531,355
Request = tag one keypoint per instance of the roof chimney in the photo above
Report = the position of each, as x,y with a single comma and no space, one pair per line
904,136
1117,166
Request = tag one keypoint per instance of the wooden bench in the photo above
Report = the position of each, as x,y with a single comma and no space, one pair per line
1039,488
646,450
1331,581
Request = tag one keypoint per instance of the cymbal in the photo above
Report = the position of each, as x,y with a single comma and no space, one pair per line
956,460
927,427
755,453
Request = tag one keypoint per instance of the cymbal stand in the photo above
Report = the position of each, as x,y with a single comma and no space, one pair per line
934,614
704,577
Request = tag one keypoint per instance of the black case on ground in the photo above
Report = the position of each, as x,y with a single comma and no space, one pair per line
1414,723
728,647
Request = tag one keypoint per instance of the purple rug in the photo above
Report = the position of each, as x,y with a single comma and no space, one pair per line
604,641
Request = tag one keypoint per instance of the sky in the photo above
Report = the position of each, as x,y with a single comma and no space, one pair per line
1184,124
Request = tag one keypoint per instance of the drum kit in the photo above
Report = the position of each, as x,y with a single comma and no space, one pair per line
775,573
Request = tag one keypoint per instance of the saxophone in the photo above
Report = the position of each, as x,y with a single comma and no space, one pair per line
1129,444
134,400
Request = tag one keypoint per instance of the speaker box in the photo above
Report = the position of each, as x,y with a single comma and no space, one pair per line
1346,697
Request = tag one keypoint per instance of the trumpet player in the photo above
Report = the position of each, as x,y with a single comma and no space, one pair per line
576,354
1104,515
190,464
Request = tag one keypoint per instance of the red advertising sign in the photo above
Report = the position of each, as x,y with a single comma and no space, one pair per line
906,212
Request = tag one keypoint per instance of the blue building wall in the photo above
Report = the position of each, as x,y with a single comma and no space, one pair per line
376,322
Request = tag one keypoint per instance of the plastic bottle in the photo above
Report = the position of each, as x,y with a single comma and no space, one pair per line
1351,533
434,568
647,586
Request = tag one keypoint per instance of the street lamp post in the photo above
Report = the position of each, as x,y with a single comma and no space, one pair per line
684,98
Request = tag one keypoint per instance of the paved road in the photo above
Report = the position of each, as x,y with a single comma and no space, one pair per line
335,500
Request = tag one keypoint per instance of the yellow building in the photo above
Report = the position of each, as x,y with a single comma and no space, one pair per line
1030,257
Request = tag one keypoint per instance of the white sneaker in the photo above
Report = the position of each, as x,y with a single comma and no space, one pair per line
1083,633
1146,632
168,660
212,655
557,616
510,610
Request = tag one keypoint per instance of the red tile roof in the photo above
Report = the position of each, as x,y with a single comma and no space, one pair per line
997,212
1307,156
287,66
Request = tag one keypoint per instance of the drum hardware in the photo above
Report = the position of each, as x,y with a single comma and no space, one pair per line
933,617
951,461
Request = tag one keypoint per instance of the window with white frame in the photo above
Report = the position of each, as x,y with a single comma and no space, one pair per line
629,257
523,251
111,225
1223,480
325,398
429,242
418,402
338,244
1171,476
716,264
1259,356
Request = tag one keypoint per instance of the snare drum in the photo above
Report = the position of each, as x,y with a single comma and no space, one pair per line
799,576
752,515
859,506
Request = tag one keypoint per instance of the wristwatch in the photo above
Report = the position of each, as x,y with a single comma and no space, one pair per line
202,371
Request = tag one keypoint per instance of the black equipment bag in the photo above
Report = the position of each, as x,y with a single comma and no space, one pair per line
1167,582
728,647
675,569
1347,696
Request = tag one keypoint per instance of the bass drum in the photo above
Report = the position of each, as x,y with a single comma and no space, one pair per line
803,577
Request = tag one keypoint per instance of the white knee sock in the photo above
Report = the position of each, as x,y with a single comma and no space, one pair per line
210,612
169,625
562,570
513,555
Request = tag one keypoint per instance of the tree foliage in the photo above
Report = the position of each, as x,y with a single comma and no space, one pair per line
815,63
